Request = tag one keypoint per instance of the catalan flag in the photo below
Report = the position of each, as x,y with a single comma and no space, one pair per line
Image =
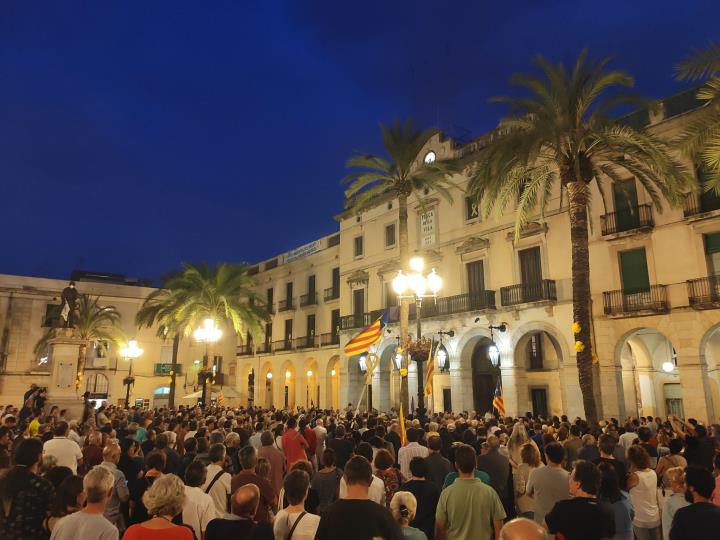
430,371
372,334
498,401
403,433
221,398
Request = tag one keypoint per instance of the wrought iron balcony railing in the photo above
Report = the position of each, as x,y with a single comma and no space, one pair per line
640,217
309,299
331,338
244,350
630,303
523,293
282,345
700,203
305,342
459,303
704,293
331,293
286,305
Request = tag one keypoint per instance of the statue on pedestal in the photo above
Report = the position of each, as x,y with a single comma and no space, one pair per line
69,306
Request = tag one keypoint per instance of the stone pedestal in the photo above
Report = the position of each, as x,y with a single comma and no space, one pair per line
64,351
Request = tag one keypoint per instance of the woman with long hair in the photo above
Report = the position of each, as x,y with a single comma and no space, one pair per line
25,496
618,500
518,438
530,459
69,498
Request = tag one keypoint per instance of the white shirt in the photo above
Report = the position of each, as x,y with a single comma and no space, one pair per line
305,530
255,440
626,439
321,435
376,492
198,509
74,436
220,490
66,452
406,453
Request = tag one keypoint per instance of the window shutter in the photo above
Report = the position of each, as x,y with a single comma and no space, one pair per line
633,267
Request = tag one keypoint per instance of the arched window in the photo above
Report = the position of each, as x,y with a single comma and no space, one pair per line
535,351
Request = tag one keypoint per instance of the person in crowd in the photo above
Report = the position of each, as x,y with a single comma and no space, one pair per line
356,515
701,519
326,481
522,529
154,467
674,481
89,523
255,441
518,438
529,460
130,462
268,497
644,436
699,448
496,465
218,482
67,452
163,501
376,490
628,438
391,477
618,500
583,517
54,474
190,446
716,469
411,450
426,496
312,501
468,508
198,509
5,447
276,459
589,450
25,495
548,485
438,466
294,521
342,446
172,459
572,445
293,443
309,436
606,446
148,445
69,498
120,494
642,484
403,508
673,459
92,452
321,435
241,524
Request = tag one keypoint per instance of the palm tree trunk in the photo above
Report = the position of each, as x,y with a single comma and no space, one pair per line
404,306
577,198
173,371
82,353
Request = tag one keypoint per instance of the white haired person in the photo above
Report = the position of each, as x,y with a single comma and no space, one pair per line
164,501
90,523
403,508
518,438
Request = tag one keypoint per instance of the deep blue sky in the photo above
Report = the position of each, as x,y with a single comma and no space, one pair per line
136,136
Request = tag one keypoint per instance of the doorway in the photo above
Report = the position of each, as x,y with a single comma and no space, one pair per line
484,377
539,399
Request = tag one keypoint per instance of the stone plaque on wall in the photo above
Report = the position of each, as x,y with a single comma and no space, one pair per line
428,228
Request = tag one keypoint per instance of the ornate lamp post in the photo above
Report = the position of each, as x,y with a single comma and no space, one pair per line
415,286
441,354
131,352
208,333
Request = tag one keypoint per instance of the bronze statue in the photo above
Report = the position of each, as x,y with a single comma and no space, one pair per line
69,308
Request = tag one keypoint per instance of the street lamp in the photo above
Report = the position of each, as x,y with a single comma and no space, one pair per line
415,286
493,351
130,352
442,354
208,333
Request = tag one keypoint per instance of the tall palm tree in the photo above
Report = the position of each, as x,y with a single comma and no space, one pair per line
223,293
398,176
701,138
95,323
559,133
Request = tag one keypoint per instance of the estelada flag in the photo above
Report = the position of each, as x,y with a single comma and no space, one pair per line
372,334
430,371
403,434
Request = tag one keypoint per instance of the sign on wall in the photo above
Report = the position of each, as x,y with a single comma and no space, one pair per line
165,369
303,251
428,228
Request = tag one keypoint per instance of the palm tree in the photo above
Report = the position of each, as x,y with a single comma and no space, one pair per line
701,138
198,292
560,133
95,323
376,178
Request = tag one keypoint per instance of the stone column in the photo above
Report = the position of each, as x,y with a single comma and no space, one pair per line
461,388
611,387
64,351
697,400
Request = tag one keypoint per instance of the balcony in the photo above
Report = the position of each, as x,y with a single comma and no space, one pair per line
634,219
699,204
460,303
524,293
286,305
331,293
329,339
626,304
282,345
244,350
704,293
305,342
309,299
359,320
265,348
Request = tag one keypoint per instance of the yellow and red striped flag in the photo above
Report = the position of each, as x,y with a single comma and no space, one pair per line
430,371
403,433
372,334
498,402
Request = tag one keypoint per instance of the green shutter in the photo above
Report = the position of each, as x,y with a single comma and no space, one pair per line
633,267
712,243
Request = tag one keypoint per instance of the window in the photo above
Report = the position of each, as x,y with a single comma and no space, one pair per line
391,299
535,351
634,271
358,244
333,240
712,252
310,326
539,399
335,325
336,282
270,298
52,316
390,235
268,336
472,209
476,278
288,330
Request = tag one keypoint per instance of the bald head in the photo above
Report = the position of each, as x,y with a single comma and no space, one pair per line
245,500
522,529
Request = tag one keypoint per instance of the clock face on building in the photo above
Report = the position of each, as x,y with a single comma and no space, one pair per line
429,157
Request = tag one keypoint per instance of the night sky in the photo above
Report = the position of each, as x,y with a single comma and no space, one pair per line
135,137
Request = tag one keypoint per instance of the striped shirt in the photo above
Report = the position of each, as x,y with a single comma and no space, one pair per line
405,455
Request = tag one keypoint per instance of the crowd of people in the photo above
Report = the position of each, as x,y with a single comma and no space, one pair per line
250,473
